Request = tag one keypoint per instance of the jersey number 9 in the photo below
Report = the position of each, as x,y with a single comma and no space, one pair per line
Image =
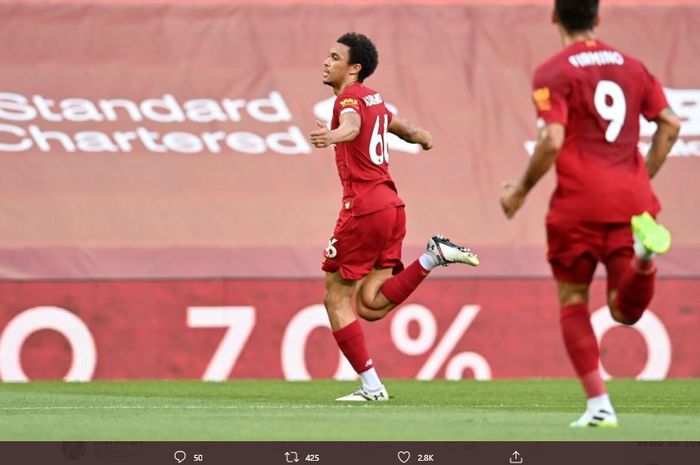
615,111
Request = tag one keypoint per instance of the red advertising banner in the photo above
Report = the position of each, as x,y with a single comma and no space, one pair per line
143,140
218,330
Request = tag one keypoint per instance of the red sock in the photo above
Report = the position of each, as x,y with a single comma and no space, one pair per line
399,287
582,347
636,288
351,340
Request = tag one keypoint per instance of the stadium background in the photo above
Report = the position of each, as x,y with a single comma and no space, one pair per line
166,253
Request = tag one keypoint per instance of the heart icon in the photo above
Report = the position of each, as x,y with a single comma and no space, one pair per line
403,456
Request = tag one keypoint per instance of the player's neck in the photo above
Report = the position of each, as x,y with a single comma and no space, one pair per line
570,38
339,90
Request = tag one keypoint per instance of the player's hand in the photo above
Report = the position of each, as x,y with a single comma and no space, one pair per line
321,137
512,198
427,142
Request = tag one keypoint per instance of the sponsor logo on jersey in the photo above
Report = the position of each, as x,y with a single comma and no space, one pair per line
349,102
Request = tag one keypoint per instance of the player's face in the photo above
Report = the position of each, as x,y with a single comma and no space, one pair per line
335,66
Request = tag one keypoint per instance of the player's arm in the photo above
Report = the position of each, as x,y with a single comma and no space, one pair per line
348,128
410,132
551,88
667,129
549,141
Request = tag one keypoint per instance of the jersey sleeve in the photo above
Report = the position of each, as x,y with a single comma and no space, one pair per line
550,90
654,99
346,103
389,114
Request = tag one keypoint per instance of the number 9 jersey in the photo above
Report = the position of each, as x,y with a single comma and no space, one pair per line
598,94
363,163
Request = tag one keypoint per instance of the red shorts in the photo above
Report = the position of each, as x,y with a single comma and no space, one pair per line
574,250
361,243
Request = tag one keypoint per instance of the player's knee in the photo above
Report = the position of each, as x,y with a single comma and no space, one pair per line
572,294
332,302
620,317
368,303
573,299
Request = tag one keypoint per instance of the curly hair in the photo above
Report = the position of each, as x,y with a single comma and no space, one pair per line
362,52
576,15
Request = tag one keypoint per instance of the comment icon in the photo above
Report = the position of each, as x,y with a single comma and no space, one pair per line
180,456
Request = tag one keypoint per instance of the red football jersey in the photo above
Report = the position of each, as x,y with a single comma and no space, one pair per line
363,163
598,93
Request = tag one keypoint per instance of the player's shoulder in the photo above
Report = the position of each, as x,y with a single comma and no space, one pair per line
359,95
554,68
634,63
589,53
578,57
613,55
357,90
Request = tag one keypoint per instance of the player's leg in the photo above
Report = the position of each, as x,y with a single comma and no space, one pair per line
350,338
582,347
571,248
377,306
372,303
388,228
380,292
631,268
638,287
347,260
337,300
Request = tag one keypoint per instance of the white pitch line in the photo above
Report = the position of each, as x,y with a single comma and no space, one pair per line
264,407
244,406
165,407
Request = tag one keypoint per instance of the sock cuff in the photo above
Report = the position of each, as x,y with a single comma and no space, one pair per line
574,309
644,267
427,262
348,332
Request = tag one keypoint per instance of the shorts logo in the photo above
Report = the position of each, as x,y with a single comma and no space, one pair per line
331,251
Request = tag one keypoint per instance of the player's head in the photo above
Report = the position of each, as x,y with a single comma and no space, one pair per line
361,52
353,57
576,15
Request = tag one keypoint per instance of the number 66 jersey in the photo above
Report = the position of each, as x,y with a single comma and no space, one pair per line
598,94
363,163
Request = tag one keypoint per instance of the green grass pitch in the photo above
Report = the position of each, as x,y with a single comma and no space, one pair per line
504,410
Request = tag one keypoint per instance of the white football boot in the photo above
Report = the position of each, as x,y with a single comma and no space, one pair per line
366,395
600,418
445,252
